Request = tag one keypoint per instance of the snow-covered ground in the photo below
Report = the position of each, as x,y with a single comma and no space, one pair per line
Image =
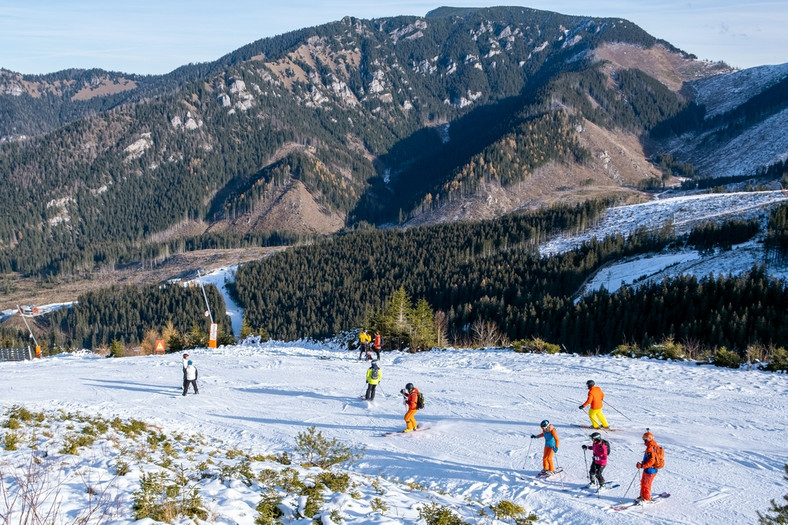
723,430
749,150
654,268
722,93
683,212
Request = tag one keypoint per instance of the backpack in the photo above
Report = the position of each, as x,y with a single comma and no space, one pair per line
374,374
658,453
607,445
420,401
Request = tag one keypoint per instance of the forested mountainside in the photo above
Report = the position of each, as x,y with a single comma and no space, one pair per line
462,114
490,274
466,284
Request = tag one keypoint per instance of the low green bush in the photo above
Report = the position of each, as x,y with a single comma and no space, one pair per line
778,361
726,358
506,510
535,346
435,514
322,452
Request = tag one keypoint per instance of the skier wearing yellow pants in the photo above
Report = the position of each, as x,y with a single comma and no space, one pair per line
595,397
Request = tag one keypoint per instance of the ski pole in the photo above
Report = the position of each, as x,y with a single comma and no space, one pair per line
557,467
585,460
630,484
531,442
617,410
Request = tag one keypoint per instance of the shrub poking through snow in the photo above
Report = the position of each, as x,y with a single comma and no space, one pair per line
317,450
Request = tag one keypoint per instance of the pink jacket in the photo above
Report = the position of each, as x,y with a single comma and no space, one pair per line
600,453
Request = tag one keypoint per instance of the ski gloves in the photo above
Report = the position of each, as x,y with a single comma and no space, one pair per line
581,407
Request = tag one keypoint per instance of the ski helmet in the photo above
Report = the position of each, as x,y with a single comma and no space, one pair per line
590,383
596,435
409,387
648,436
544,423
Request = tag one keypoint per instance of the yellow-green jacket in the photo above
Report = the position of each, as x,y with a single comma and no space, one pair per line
374,381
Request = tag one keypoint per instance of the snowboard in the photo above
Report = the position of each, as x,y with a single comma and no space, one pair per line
654,499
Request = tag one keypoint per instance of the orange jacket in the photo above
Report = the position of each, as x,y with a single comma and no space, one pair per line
648,457
412,399
595,397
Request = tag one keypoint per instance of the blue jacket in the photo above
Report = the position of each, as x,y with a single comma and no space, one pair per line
550,438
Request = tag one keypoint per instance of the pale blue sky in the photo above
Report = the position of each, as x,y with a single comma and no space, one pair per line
153,37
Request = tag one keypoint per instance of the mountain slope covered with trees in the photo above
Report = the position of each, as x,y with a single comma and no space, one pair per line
461,114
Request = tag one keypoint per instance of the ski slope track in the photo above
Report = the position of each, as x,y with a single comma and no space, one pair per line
723,430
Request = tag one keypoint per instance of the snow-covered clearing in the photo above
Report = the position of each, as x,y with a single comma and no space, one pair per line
682,213
723,430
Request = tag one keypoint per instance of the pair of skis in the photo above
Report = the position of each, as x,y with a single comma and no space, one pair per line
637,504
398,432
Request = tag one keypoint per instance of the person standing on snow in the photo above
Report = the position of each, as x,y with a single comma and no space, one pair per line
595,399
374,375
377,345
550,446
600,449
190,377
653,459
185,363
364,339
411,394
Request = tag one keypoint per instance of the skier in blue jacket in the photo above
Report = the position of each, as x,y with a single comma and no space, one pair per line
550,446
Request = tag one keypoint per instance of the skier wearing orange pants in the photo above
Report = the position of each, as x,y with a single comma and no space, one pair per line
550,446
411,394
653,460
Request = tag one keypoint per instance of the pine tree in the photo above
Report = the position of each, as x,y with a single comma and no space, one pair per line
780,511
423,329
395,320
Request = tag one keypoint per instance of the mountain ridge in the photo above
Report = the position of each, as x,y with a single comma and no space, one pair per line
399,120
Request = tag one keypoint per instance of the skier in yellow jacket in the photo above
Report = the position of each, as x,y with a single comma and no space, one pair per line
374,375
364,339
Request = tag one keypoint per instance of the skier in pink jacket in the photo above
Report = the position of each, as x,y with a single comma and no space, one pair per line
600,449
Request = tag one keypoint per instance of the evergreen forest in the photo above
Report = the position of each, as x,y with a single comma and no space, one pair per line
491,272
441,285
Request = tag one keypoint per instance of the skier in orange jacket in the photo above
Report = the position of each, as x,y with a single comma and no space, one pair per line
595,399
411,394
650,465
377,345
